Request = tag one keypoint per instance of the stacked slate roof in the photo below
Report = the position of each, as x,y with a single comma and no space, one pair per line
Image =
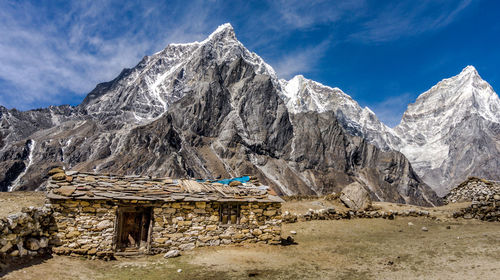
91,186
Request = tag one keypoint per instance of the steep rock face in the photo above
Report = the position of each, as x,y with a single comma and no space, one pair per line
147,90
209,109
16,147
337,158
452,131
304,95
237,124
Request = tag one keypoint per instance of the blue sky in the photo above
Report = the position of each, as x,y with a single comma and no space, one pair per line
382,53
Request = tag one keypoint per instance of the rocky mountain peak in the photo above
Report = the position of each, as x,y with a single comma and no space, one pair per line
455,98
145,92
224,31
451,119
468,70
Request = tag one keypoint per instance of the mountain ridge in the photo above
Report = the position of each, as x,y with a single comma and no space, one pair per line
214,87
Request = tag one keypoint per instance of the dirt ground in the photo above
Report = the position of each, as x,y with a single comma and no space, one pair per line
13,202
344,249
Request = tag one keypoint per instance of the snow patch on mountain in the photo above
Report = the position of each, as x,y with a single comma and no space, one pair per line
302,95
145,92
439,129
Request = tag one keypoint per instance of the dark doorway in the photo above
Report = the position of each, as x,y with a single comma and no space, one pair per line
133,229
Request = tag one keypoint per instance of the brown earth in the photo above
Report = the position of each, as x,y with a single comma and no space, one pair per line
13,202
343,249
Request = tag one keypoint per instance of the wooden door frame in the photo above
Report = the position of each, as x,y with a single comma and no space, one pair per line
119,224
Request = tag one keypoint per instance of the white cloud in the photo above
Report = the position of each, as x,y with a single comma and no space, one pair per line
47,57
300,61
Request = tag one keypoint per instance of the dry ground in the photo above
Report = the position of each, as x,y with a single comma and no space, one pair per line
344,249
13,202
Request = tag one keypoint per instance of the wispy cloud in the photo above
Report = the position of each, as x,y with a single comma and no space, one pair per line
48,55
306,14
299,61
408,18
56,52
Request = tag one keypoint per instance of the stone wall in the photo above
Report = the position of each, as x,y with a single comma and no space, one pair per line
332,214
84,227
185,225
486,208
26,233
88,227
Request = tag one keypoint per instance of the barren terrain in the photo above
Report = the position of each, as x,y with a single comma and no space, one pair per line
13,202
343,249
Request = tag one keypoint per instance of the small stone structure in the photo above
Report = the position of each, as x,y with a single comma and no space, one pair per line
471,189
104,215
25,234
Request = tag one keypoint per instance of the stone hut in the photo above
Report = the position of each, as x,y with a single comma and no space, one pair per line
104,215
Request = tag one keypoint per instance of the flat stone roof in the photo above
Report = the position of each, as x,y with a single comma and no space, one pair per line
91,186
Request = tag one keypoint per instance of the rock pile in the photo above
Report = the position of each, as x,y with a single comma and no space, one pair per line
486,208
26,233
332,214
471,189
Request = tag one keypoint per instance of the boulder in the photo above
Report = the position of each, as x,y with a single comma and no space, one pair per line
355,197
172,254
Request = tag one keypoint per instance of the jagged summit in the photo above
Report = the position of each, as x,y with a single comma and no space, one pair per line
451,131
224,31
469,69
302,95
453,98
146,91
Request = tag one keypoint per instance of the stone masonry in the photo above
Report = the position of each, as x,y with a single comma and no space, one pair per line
187,225
84,227
88,227
25,234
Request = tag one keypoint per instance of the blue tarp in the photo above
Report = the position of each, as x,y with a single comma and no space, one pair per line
243,179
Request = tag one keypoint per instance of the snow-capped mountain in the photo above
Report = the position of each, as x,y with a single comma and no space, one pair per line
303,95
147,90
210,109
452,131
